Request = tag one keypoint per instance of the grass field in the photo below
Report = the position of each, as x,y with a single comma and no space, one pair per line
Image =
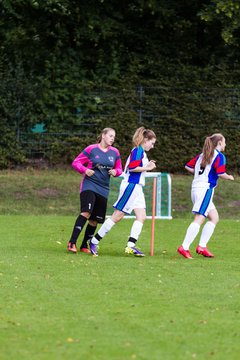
56,305
55,192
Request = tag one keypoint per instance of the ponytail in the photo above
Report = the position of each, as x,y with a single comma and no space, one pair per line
141,134
208,148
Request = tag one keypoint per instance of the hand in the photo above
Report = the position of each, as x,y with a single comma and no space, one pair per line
112,172
151,165
89,172
231,177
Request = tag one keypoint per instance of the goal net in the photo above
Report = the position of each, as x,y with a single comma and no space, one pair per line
163,195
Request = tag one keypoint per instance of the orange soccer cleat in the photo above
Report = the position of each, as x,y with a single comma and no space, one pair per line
85,250
72,247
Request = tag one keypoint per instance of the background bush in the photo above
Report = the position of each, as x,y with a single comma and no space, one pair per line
171,66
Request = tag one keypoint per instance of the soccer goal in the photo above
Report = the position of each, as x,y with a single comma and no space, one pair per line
162,191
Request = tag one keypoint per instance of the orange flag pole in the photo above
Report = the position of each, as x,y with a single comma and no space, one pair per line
153,215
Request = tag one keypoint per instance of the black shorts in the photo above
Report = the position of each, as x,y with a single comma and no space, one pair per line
94,204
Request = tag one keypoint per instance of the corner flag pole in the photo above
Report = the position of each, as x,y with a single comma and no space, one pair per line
153,215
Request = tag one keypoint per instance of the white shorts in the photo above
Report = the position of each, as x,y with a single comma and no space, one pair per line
202,201
130,197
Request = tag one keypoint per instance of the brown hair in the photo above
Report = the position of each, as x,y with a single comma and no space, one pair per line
103,132
208,148
141,134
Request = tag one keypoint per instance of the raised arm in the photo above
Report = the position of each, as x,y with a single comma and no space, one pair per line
225,176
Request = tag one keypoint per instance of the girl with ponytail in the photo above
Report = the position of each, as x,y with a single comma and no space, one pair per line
131,196
206,168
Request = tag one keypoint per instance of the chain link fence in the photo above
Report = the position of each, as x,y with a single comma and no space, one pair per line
57,122
164,109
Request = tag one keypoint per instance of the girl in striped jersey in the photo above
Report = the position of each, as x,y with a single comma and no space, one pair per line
131,196
207,168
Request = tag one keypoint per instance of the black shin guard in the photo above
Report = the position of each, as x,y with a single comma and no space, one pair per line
89,232
79,224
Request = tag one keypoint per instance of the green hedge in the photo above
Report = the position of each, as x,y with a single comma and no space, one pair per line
74,114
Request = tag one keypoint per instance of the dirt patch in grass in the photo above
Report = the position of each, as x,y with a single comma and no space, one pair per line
235,203
47,192
19,195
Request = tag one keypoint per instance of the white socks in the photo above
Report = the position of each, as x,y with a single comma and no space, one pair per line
135,232
191,233
207,232
107,226
104,229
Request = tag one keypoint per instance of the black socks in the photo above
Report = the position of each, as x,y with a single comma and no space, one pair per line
89,232
79,224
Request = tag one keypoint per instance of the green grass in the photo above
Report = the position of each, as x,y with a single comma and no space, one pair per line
34,192
56,305
55,192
